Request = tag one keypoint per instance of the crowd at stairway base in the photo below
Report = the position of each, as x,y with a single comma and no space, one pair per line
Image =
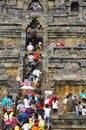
32,110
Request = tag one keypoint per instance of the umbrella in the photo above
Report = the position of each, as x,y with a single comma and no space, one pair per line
27,87
25,83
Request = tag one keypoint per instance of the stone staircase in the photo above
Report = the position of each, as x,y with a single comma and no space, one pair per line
69,123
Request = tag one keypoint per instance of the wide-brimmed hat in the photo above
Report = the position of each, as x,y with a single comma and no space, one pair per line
19,101
40,43
9,109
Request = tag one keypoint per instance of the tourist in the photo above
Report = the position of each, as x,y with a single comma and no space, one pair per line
36,125
23,116
84,110
76,99
9,102
26,101
70,104
15,121
41,124
40,106
82,95
80,108
31,61
47,115
26,125
30,47
20,106
55,105
17,127
37,72
47,98
64,103
8,118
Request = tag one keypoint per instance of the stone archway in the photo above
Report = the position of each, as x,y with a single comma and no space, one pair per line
35,5
32,32
75,6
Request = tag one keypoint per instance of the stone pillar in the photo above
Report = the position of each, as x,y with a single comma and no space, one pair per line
22,50
45,5
45,31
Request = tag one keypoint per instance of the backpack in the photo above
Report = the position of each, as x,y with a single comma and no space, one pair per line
33,101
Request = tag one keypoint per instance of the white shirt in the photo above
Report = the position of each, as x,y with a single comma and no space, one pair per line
83,111
47,112
20,107
36,80
30,47
26,103
26,126
37,72
55,104
80,108
46,100
31,58
65,101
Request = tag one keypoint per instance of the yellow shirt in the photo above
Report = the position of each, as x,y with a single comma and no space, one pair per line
16,128
35,128
41,124
31,123
6,115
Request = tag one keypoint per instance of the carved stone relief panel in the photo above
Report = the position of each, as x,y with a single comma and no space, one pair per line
11,2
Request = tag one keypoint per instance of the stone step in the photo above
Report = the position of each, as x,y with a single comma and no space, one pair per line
68,122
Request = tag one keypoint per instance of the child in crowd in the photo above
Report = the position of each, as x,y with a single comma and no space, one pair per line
84,110
80,108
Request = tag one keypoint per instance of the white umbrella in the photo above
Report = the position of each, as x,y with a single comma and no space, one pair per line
27,87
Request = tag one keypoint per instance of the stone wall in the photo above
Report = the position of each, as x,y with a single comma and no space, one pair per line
67,67
58,22
69,122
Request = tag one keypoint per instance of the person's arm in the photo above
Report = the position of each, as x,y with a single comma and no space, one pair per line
19,122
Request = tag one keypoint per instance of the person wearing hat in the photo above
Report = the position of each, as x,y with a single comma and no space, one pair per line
36,125
20,106
23,116
26,125
8,118
30,48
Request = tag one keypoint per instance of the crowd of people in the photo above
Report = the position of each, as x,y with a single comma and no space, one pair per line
75,103
35,6
33,110
31,113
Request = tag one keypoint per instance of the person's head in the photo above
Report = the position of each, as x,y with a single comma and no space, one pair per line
14,114
9,110
46,105
54,94
70,95
26,96
30,43
36,122
33,94
67,96
82,91
19,101
79,102
46,127
47,96
54,99
84,106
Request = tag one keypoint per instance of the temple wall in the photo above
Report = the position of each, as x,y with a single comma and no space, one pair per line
58,22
